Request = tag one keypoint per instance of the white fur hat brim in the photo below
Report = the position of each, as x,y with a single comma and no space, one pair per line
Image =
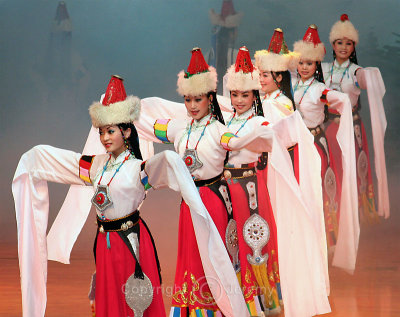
268,61
126,111
231,21
197,84
308,50
242,81
341,30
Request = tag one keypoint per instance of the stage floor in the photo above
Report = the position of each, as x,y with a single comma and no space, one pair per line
374,289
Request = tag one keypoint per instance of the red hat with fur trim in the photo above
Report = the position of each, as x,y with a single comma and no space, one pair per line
115,107
62,22
311,47
343,29
243,76
277,58
199,79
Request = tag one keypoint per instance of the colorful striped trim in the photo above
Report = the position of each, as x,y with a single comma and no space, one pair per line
144,178
85,163
225,139
160,130
324,95
197,312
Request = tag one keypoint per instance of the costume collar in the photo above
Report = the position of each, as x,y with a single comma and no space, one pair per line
343,66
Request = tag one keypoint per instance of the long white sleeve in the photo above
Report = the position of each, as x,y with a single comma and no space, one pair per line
29,187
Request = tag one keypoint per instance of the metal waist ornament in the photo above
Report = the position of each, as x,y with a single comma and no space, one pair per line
192,160
256,235
138,294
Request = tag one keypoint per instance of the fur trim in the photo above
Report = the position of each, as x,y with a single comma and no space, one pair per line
63,26
120,112
342,30
307,50
268,61
197,84
242,81
231,21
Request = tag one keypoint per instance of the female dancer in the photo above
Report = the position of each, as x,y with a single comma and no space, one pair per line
344,75
311,96
126,259
255,222
253,218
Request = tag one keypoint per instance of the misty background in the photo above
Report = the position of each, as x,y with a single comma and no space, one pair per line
45,89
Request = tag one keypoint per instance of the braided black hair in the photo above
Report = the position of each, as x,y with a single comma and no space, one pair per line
285,85
216,110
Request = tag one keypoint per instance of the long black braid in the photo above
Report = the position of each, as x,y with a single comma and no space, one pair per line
215,109
133,141
319,75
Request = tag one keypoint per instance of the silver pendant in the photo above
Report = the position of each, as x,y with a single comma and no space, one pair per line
256,235
138,294
232,245
330,186
336,86
101,198
192,160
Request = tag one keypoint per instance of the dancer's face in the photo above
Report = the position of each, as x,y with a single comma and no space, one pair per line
197,106
267,82
112,140
343,49
242,100
306,69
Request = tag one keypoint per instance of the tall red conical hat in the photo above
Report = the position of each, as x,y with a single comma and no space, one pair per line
243,76
228,17
62,22
343,29
199,78
277,58
311,47
115,107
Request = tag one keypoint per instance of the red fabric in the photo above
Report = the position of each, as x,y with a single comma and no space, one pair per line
189,269
115,91
312,35
275,45
113,268
330,223
243,61
197,62
241,212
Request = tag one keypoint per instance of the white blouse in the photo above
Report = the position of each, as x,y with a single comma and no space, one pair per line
307,97
276,106
342,78
209,149
241,125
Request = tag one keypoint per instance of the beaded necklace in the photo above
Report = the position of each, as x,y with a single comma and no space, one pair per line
101,198
280,91
190,156
305,91
248,118
340,83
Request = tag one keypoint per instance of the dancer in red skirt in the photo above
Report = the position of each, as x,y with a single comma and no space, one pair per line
127,281
311,97
344,75
203,142
255,254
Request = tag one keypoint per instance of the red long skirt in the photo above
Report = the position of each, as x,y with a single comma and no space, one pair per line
241,212
191,292
330,194
365,187
115,265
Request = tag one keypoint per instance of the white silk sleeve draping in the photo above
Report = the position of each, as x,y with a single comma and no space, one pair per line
29,187
349,227
292,130
302,265
260,140
371,79
167,169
